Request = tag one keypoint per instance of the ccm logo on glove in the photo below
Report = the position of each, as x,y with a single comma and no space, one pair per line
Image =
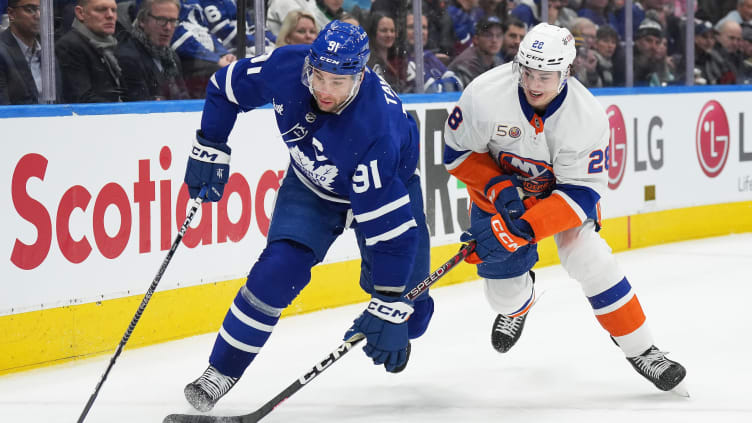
209,155
395,312
502,235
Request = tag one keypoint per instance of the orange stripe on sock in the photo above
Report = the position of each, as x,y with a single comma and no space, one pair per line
624,320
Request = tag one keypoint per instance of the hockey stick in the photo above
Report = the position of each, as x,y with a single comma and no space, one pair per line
319,368
192,212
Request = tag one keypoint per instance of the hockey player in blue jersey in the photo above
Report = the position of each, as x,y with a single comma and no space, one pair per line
354,153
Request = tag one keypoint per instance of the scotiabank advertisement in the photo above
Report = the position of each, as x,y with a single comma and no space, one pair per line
94,202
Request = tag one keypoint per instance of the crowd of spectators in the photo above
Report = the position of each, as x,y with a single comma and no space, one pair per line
136,50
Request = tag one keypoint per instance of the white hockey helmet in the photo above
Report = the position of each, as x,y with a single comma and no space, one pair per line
548,48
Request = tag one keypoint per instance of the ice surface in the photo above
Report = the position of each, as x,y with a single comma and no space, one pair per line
564,368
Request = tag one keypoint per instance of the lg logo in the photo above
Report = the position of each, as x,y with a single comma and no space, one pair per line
712,138
617,142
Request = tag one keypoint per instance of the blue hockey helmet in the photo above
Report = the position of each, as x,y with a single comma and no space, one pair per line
340,48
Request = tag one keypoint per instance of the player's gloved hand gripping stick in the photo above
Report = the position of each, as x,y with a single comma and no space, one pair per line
319,368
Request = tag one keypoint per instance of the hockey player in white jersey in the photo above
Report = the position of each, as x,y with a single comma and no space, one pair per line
525,130
354,152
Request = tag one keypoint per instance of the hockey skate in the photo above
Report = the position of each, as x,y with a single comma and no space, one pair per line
506,331
205,391
665,374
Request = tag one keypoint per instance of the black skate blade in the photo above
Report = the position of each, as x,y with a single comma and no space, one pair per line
197,418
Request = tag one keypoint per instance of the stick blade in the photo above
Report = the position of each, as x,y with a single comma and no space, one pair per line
197,418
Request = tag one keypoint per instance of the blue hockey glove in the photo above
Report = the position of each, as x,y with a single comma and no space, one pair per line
208,165
503,192
497,237
384,323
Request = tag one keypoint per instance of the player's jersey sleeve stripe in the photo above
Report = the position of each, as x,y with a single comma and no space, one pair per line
585,196
551,216
228,84
391,234
386,208
237,344
251,71
248,320
452,157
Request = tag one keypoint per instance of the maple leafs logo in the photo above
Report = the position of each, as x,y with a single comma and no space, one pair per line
322,176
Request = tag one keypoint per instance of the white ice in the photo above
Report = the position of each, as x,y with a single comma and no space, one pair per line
565,368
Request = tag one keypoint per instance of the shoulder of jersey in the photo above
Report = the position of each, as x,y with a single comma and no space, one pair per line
494,79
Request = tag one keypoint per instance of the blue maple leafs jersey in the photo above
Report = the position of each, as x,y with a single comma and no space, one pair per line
362,156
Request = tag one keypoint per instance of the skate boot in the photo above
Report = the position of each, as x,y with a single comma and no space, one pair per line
205,391
506,331
402,367
665,374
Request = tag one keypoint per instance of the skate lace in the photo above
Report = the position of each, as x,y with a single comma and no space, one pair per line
653,363
215,383
508,325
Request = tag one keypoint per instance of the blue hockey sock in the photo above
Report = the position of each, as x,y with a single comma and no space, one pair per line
282,270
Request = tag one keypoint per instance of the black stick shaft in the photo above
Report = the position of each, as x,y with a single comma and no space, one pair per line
144,302
324,364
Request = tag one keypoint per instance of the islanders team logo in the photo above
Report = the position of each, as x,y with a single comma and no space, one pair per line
712,138
536,176
617,143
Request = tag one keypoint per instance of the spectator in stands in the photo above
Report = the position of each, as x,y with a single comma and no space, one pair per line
529,11
201,53
710,67
436,77
299,27
385,59
20,62
440,28
714,10
91,72
465,15
514,32
742,14
606,41
151,69
278,10
585,64
729,46
647,39
665,70
599,12
221,19
483,54
496,8
585,28
745,76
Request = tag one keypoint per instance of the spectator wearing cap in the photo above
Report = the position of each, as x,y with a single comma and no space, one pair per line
647,40
465,15
710,68
482,55
742,14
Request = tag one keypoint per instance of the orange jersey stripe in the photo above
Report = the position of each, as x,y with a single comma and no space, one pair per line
475,171
625,319
550,216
